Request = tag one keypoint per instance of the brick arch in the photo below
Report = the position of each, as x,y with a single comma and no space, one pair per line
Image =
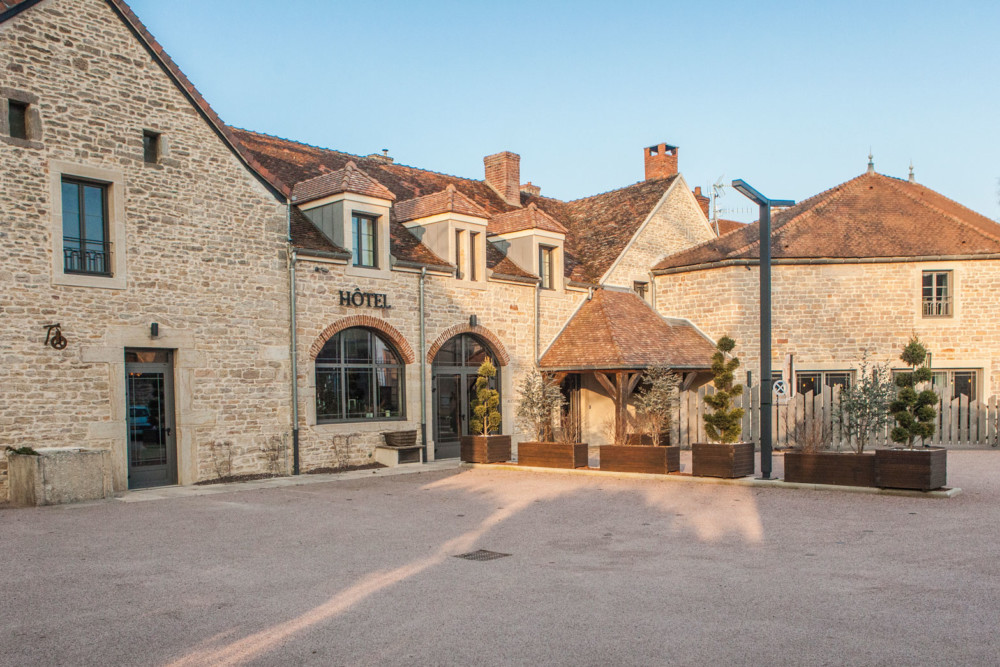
498,349
369,322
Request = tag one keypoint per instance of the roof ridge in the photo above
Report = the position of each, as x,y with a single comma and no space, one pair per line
608,192
361,157
613,330
901,187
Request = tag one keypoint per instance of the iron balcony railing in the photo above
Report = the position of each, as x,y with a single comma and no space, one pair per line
86,256
937,307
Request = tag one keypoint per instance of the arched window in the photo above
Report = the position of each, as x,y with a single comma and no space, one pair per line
359,377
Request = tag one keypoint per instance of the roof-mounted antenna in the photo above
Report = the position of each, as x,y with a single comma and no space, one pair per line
718,189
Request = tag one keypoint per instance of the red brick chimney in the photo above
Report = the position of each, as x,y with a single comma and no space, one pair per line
503,174
703,201
661,161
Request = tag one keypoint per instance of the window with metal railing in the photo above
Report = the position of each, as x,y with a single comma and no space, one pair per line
86,248
937,294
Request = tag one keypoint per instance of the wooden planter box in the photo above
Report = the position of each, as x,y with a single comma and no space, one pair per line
843,468
709,459
552,455
485,448
657,460
922,469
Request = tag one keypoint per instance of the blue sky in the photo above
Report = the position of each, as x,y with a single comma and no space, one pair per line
788,96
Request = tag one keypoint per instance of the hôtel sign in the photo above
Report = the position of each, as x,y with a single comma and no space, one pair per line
359,299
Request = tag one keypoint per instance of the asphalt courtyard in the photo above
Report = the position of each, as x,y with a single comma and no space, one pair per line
602,571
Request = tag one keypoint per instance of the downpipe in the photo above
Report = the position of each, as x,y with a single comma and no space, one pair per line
423,365
292,259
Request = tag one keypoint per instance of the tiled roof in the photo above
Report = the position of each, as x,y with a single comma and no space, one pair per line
407,249
529,217
600,227
348,179
449,200
11,8
871,216
617,330
726,226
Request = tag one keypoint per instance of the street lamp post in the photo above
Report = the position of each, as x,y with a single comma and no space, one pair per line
766,381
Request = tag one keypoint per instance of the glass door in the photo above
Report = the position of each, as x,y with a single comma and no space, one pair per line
449,416
152,452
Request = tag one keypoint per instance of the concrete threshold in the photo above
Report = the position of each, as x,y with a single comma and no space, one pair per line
166,492
743,481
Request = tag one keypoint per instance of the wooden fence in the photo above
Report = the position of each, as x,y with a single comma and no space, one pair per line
961,423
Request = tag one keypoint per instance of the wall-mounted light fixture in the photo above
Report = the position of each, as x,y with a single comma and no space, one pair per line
473,321
154,330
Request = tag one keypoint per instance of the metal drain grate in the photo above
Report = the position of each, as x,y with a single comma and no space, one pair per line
482,554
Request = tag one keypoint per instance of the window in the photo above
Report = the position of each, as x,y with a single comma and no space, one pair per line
950,384
359,376
473,267
150,147
546,266
458,254
17,119
641,289
937,293
813,381
364,236
85,228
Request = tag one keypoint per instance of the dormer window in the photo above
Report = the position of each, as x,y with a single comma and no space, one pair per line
547,266
365,241
473,252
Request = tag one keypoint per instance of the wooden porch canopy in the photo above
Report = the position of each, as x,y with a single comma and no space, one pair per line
615,335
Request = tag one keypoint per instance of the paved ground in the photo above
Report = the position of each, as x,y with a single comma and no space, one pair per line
602,571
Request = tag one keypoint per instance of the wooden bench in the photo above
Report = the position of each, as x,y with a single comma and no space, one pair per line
400,447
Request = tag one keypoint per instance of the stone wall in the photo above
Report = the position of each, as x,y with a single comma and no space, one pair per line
202,242
676,224
828,314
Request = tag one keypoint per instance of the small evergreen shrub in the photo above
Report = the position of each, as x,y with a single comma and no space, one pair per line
486,417
724,424
655,404
913,410
539,398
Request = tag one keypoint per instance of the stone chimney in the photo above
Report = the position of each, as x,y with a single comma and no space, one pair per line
531,189
703,201
503,174
661,161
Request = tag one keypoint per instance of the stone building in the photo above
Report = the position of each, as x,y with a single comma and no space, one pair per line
858,268
175,253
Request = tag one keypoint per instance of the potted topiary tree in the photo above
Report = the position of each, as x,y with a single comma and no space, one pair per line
484,446
909,467
725,457
539,399
862,409
649,449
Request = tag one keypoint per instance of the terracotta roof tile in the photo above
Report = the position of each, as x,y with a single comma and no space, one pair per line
500,264
449,200
616,330
348,179
600,227
871,216
529,217
726,226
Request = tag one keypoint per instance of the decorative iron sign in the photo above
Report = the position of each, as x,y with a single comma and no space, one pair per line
359,299
54,336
